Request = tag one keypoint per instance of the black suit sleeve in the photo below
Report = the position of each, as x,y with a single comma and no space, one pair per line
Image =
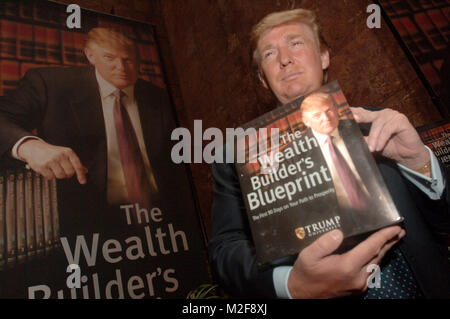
231,250
21,110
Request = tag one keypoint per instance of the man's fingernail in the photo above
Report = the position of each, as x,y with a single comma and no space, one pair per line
336,234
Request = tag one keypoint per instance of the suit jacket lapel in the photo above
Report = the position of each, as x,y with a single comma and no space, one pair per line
149,116
86,110
86,106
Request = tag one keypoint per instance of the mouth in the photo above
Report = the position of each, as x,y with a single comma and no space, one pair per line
291,76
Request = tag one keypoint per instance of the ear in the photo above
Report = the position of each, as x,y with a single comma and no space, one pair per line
325,58
262,78
305,120
89,55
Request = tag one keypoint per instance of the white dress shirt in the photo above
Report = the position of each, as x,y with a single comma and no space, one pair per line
116,188
341,194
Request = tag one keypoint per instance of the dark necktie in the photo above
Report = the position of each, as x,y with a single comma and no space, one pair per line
397,280
348,179
136,180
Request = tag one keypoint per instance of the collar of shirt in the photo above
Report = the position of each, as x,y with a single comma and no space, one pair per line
321,138
107,89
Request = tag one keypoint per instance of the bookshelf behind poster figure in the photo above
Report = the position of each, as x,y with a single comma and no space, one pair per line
29,218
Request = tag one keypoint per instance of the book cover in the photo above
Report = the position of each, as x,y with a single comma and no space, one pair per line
54,212
53,45
437,137
68,48
440,21
25,42
10,75
47,214
40,43
8,37
433,34
79,39
20,218
29,215
418,37
10,218
149,67
315,176
38,214
406,37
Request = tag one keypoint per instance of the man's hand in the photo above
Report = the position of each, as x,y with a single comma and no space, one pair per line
52,161
318,273
392,135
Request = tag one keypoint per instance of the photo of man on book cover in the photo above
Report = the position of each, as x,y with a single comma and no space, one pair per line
321,178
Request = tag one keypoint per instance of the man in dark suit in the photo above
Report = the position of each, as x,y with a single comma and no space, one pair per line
291,61
358,188
84,124
73,111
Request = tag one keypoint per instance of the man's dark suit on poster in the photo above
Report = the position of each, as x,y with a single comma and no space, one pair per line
64,105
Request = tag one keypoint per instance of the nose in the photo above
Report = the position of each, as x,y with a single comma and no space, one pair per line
324,116
285,57
120,64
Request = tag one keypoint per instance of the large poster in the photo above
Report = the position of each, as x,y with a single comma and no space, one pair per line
91,205
424,27
437,137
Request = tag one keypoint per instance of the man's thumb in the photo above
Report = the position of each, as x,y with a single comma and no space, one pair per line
325,245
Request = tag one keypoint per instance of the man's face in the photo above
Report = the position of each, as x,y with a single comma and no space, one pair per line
291,63
320,115
117,66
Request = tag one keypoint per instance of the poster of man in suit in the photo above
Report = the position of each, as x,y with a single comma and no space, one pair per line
103,134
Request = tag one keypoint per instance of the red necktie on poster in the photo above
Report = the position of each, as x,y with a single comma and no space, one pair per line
136,181
347,177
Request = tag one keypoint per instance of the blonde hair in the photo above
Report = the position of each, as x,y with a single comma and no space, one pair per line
314,98
111,38
275,19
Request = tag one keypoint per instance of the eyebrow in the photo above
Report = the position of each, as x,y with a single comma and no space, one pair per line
267,47
289,37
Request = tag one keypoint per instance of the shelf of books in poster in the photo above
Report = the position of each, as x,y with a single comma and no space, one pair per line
424,27
35,35
29,219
